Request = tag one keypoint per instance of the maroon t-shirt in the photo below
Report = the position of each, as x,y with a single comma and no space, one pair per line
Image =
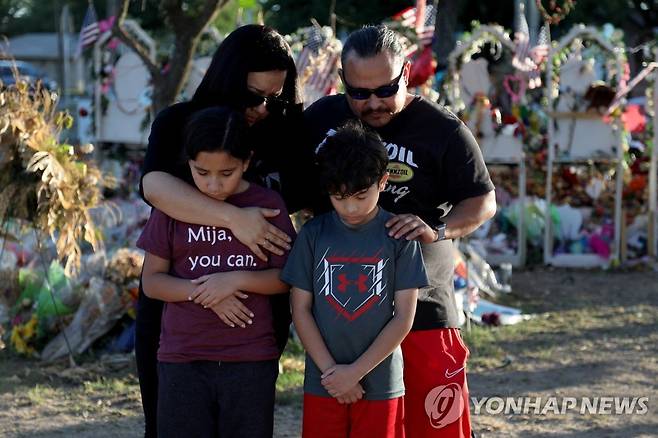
190,332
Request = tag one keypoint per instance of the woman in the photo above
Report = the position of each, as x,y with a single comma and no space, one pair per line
252,71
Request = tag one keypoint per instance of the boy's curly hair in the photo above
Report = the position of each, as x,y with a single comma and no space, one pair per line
352,159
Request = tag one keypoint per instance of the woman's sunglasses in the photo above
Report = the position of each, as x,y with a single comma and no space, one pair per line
382,92
272,103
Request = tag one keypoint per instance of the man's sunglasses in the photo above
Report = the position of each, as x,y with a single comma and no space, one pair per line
382,92
272,103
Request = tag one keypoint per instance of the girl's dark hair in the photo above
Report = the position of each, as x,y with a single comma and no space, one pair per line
352,159
216,129
250,48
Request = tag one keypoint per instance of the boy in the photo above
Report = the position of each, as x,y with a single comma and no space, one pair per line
348,276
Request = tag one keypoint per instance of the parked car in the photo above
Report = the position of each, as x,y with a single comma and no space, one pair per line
26,71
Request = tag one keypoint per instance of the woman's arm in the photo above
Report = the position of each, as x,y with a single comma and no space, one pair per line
179,200
158,284
213,288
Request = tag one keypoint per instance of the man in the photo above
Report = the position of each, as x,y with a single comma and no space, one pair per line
435,167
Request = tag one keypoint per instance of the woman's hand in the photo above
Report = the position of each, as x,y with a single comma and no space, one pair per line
232,312
411,227
213,288
252,229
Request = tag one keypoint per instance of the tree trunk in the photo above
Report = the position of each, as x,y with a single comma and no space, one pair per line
187,30
444,31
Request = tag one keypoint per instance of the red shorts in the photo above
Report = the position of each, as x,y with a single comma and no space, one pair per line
324,417
436,397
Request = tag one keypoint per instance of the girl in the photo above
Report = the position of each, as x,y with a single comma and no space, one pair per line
216,373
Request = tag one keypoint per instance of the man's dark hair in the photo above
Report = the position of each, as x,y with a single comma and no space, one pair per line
370,41
352,159
250,48
216,129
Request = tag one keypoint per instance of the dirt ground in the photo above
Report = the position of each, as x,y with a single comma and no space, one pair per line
594,334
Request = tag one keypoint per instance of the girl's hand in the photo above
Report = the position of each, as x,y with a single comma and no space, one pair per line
232,312
253,230
352,396
213,288
340,379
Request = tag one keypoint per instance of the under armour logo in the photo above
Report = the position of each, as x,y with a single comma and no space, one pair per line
360,283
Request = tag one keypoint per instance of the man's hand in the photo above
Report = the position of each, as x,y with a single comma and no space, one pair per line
411,227
338,380
252,229
232,312
352,396
213,288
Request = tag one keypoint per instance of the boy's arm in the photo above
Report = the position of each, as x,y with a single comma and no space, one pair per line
307,329
341,378
213,288
160,285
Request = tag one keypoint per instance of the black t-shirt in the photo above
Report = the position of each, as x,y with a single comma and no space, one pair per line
276,162
435,163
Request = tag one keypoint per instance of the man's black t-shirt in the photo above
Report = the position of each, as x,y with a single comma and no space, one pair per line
435,163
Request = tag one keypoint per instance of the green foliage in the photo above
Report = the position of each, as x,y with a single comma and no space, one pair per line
289,15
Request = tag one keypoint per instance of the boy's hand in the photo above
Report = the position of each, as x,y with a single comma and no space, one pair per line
214,288
339,379
232,312
352,396
411,227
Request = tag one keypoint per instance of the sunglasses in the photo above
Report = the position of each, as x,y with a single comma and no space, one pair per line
382,92
272,103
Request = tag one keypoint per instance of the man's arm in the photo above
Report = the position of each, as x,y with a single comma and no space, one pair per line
341,378
464,218
185,203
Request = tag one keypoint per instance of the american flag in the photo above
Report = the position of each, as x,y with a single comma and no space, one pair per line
90,31
521,60
317,65
422,18
540,51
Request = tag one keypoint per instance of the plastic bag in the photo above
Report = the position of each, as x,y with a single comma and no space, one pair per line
101,307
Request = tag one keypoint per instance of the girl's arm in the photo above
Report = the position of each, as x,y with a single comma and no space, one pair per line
158,284
307,329
179,200
341,378
213,288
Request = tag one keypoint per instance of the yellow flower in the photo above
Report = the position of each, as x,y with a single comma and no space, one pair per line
22,334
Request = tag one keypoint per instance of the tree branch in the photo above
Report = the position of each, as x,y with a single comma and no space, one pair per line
208,12
182,23
142,52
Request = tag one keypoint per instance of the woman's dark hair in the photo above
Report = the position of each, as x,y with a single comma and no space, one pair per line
216,129
352,159
250,48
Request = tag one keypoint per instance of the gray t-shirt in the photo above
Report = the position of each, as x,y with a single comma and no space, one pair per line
353,273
